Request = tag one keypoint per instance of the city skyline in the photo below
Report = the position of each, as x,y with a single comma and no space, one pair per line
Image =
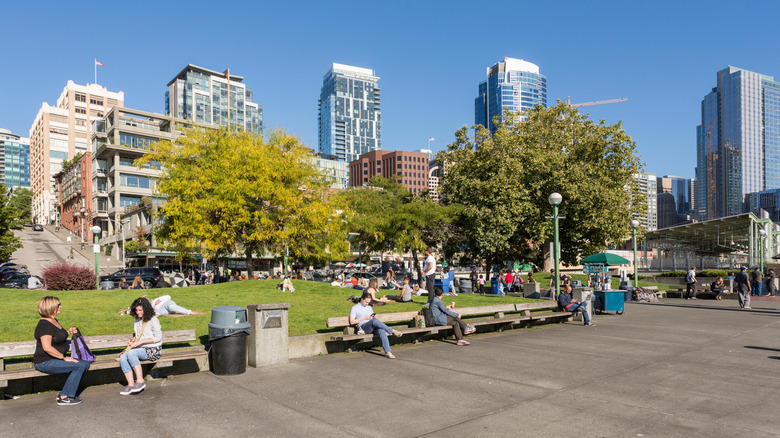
429,55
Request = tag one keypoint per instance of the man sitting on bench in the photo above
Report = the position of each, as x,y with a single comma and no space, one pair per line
363,316
567,303
444,316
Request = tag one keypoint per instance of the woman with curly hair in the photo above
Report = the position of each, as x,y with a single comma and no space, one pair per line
145,345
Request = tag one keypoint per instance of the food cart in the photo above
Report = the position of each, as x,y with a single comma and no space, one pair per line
596,267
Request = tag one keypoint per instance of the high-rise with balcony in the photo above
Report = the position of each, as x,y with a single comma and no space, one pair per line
350,116
738,142
510,85
209,97
59,133
14,160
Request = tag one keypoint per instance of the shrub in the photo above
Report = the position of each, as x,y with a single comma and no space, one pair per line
66,276
700,273
107,249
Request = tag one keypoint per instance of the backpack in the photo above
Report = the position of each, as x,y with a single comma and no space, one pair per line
79,349
427,314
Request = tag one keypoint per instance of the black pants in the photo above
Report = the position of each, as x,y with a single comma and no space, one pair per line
429,286
690,291
457,325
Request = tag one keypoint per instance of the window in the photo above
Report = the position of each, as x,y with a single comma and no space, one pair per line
399,166
365,164
80,97
81,111
135,181
129,201
58,155
365,172
94,101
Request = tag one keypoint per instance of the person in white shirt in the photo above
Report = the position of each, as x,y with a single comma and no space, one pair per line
429,272
362,315
33,282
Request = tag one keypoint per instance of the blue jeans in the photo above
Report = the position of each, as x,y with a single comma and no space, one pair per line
383,330
581,307
169,307
757,288
132,358
57,366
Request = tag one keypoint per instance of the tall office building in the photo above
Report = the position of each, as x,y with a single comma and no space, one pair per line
201,95
350,115
738,142
674,200
648,186
511,85
59,133
14,160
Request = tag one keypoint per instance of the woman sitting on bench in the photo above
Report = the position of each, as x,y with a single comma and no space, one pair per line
145,345
718,287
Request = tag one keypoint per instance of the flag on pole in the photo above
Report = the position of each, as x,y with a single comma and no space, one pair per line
98,63
431,139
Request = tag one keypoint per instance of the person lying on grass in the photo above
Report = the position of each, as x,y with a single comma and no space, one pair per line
164,305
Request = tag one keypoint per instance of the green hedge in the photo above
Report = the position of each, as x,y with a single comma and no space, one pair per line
702,273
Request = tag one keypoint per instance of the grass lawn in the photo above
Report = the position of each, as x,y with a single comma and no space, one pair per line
97,312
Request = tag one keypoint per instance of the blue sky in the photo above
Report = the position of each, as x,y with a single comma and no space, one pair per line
430,56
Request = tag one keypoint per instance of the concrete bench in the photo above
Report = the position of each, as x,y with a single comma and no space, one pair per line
504,315
104,360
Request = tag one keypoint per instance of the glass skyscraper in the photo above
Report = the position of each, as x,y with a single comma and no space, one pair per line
350,115
738,142
201,95
513,85
14,160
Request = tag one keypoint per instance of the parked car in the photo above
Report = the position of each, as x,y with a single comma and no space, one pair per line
150,276
17,281
37,227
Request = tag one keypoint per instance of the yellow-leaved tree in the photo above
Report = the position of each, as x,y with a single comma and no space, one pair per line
231,191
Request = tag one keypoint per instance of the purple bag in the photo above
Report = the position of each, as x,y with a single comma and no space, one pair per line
79,349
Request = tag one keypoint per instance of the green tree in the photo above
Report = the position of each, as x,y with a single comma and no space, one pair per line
504,181
238,192
387,217
9,221
21,201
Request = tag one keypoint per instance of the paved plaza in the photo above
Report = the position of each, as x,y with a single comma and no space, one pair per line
677,368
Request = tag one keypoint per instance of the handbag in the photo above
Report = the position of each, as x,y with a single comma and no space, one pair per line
129,347
79,349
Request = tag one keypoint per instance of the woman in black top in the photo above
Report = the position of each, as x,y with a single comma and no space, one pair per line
50,348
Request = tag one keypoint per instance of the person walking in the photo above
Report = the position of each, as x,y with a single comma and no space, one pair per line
429,273
743,288
690,284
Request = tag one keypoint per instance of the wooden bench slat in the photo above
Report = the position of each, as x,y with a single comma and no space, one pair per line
343,321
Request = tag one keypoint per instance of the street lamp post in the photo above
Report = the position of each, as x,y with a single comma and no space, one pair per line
761,237
95,232
82,211
555,199
634,224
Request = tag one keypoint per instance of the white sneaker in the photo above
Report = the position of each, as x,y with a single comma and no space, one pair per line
361,332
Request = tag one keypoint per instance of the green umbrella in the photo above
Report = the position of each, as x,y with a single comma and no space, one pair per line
604,258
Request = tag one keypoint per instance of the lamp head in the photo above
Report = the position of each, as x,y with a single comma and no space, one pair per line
761,232
634,223
555,198
95,229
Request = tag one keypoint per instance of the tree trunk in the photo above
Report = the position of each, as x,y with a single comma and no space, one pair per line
250,264
548,262
416,266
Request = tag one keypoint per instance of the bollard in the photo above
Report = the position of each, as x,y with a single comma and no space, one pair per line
268,334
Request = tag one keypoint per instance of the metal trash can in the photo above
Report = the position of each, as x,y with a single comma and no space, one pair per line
228,330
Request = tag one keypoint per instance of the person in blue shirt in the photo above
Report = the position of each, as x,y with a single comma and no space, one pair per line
444,316
567,303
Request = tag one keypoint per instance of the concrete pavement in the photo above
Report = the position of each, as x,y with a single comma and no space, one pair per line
676,368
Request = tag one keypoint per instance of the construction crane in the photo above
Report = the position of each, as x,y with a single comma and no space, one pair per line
598,102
